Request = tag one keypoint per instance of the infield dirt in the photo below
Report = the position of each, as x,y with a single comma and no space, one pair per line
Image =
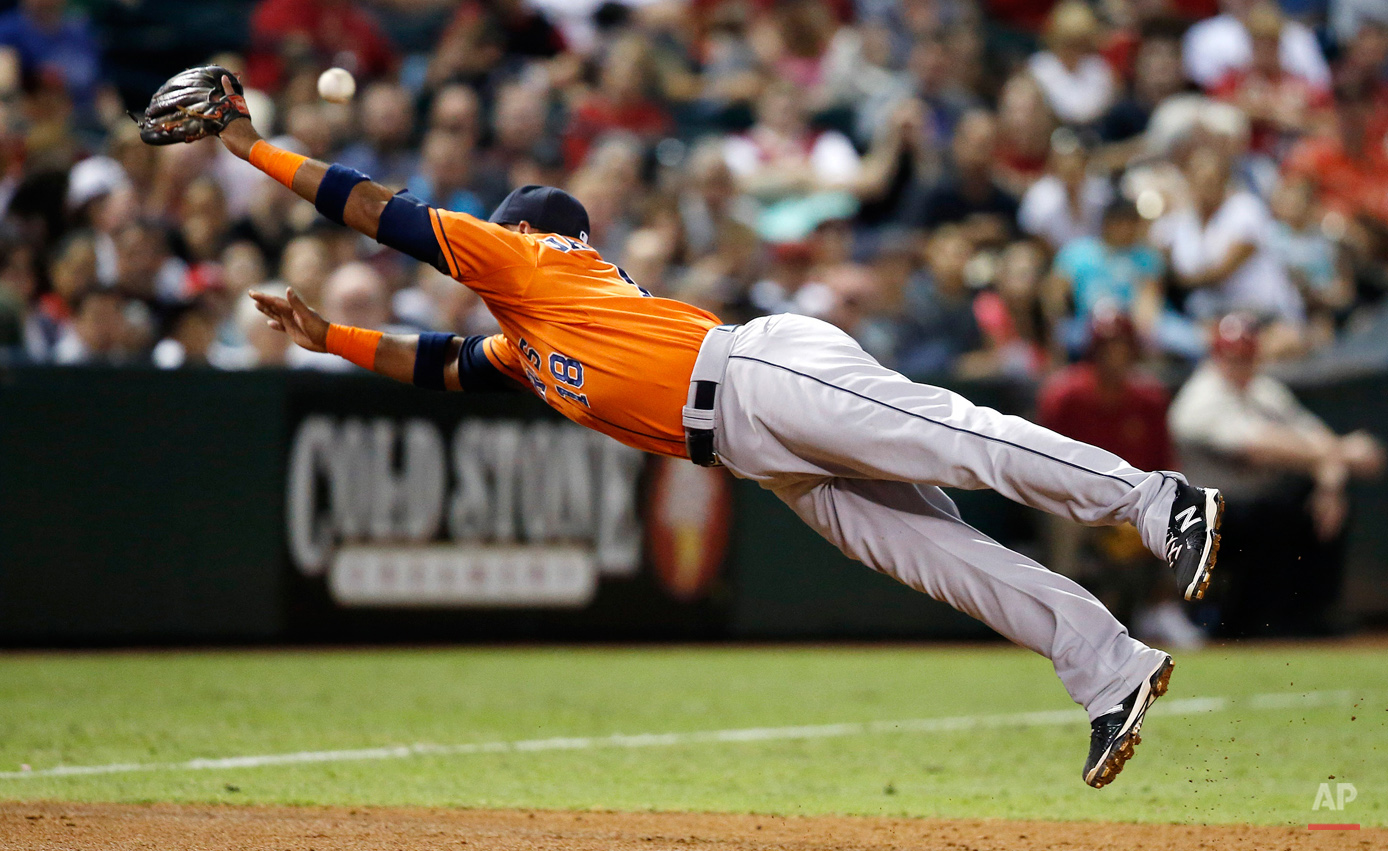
79,827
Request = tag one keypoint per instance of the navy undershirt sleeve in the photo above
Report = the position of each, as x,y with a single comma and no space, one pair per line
477,373
405,226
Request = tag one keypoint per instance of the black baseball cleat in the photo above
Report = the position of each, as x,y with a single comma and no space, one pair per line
1114,735
1192,539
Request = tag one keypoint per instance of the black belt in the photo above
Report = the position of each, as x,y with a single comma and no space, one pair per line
699,441
698,414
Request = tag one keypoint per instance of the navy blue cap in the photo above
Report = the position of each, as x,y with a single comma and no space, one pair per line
547,209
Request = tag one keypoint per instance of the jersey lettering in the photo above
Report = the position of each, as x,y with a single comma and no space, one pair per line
540,389
622,273
564,244
566,369
528,352
577,332
580,398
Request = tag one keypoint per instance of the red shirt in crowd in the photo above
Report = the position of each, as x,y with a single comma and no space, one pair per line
338,31
1131,423
1285,92
596,116
1349,183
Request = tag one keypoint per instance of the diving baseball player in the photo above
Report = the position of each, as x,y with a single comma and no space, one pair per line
857,450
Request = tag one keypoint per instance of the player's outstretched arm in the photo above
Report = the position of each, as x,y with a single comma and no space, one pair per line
208,101
361,201
435,364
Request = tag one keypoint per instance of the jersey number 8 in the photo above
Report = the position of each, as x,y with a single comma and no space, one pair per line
566,370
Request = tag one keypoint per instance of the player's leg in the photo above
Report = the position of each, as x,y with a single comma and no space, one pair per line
801,396
914,534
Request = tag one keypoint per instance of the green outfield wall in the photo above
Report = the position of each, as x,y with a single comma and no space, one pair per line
143,506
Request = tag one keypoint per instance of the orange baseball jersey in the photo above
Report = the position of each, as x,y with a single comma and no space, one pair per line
578,331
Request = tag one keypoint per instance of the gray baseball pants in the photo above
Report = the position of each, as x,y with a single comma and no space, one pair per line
860,453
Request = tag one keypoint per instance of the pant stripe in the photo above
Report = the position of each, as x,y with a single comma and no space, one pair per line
1037,452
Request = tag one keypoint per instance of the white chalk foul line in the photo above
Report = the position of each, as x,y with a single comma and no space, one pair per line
1184,706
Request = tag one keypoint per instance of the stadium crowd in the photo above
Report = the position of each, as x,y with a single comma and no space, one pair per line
960,184
969,187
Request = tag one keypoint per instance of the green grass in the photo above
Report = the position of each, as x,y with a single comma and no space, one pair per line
1237,765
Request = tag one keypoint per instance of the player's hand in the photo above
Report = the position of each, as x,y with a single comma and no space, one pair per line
290,315
192,105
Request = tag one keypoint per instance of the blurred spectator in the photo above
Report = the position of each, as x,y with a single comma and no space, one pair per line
71,273
1078,83
1068,203
1217,45
315,33
710,207
793,42
1115,272
99,331
192,337
243,267
203,226
305,266
780,157
1283,474
731,73
42,39
937,328
935,83
1016,337
1280,104
20,328
1218,250
626,99
1025,124
387,124
519,130
1157,75
861,74
483,34
1311,259
969,194
1364,54
1349,167
146,269
457,109
852,297
789,285
1109,402
444,178
1350,18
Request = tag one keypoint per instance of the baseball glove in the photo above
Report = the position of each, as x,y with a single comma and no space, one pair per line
192,105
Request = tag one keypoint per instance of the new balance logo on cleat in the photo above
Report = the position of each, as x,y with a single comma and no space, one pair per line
1192,538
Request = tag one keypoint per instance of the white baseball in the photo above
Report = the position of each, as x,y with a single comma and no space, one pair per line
336,85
